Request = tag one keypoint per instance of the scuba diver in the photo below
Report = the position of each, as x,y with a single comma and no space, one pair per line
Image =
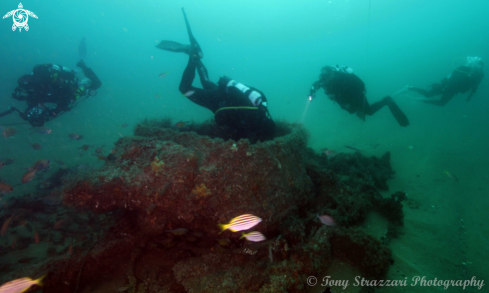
341,85
463,79
53,84
241,109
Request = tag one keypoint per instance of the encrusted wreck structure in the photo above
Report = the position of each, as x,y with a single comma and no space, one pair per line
166,189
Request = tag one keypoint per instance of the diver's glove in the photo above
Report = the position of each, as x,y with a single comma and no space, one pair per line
312,94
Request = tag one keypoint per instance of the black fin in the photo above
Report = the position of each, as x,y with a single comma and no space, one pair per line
398,114
193,42
174,47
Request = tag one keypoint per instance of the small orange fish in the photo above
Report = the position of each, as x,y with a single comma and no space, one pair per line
36,236
5,226
8,132
15,241
5,188
100,157
40,165
60,223
181,124
28,176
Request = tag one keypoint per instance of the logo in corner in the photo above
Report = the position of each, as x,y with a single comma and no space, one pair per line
20,17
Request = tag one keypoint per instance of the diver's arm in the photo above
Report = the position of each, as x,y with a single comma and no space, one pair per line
315,86
88,72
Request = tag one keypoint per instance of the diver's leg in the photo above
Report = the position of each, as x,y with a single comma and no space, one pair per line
436,89
204,98
204,76
88,72
419,90
395,110
372,109
188,76
445,98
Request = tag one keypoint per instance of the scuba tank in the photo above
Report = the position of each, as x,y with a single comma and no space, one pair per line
255,97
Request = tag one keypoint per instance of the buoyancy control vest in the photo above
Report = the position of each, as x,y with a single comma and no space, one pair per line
244,109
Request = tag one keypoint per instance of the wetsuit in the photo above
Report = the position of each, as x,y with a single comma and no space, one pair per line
51,84
461,80
242,109
348,90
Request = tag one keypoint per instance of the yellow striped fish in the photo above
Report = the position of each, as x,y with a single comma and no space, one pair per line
20,285
240,223
254,236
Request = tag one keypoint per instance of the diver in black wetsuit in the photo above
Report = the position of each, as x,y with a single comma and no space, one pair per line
463,79
53,84
348,90
241,109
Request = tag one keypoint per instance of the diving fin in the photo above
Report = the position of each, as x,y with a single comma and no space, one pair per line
193,42
401,91
397,112
174,47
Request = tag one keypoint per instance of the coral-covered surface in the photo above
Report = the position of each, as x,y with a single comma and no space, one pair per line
183,180
165,190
